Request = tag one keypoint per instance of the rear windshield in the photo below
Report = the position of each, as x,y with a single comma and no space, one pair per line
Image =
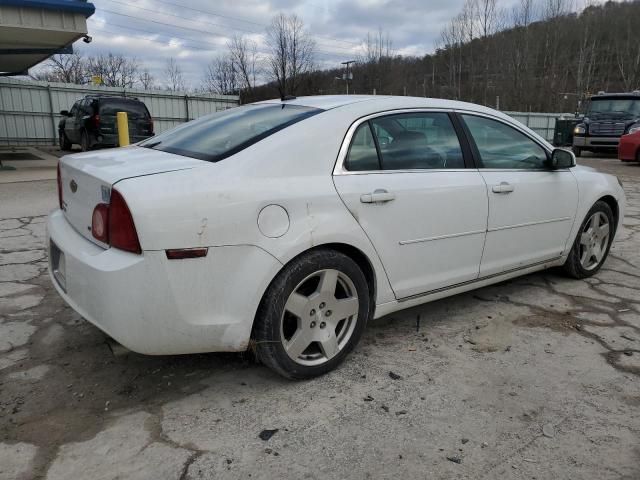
113,106
222,134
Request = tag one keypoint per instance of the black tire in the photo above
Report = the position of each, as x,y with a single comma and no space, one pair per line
577,151
270,349
573,266
63,141
85,146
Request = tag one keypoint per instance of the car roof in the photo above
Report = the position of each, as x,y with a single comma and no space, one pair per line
112,97
377,103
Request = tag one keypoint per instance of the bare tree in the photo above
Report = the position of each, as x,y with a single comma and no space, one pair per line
291,52
221,77
175,78
114,70
64,68
243,55
147,81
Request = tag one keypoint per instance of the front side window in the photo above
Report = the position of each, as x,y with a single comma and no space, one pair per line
223,134
501,146
419,140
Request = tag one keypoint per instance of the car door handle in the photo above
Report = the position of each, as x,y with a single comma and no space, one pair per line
504,187
378,196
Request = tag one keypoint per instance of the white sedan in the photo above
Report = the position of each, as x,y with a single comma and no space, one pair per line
285,225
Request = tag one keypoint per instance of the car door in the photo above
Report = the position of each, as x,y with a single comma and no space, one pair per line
531,206
404,179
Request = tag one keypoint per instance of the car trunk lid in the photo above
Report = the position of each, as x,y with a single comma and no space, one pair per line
86,179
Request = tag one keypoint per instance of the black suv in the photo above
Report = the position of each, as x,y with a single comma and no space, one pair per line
91,122
608,117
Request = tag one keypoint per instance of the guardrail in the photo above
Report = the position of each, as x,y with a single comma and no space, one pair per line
29,111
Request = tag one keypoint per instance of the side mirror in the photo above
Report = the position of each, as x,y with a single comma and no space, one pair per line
64,113
561,159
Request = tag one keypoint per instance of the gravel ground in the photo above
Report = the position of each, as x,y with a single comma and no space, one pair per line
536,378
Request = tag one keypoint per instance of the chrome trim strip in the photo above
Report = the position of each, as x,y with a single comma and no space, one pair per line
479,279
528,224
440,237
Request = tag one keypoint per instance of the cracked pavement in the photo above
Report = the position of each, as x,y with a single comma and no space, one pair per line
538,377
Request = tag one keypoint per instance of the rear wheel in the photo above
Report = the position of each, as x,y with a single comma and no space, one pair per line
592,244
63,141
85,146
312,315
577,151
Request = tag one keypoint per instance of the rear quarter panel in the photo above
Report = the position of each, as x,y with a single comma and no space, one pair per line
218,204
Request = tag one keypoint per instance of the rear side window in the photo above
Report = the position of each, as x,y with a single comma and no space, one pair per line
222,134
363,155
408,141
113,106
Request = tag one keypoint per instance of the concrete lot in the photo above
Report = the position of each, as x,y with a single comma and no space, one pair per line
533,378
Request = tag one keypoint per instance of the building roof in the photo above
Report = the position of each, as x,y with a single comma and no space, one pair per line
74,6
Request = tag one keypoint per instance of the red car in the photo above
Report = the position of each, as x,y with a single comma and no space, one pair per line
629,146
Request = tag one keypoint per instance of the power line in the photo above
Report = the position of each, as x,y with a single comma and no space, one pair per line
207,47
204,31
238,19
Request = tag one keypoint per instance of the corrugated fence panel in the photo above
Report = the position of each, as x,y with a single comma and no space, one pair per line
29,111
543,124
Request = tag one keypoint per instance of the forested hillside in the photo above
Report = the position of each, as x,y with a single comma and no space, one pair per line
538,56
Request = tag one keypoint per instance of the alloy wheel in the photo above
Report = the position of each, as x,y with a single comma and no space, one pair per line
319,317
594,240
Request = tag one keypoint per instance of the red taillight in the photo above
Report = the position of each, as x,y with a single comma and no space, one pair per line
96,121
100,223
113,224
122,230
59,187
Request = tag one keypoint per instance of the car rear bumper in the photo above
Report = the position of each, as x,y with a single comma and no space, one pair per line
156,306
596,142
111,140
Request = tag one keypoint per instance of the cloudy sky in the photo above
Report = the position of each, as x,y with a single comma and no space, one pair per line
194,32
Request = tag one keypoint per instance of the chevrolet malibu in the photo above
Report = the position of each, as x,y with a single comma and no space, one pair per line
284,226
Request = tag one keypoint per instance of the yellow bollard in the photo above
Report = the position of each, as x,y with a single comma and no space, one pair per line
123,128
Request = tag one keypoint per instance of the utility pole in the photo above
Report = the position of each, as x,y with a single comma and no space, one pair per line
347,76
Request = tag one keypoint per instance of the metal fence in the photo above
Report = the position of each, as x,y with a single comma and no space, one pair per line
543,124
29,111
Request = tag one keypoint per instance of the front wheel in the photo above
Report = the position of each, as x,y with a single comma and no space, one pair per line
591,247
577,151
312,314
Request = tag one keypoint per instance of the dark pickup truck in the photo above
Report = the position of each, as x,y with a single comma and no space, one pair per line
608,117
91,122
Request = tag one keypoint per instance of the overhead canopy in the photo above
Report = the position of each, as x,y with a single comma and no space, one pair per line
33,30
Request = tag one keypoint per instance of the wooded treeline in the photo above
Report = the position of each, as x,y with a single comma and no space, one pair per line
539,56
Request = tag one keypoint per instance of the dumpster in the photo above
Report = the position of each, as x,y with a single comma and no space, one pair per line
563,133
